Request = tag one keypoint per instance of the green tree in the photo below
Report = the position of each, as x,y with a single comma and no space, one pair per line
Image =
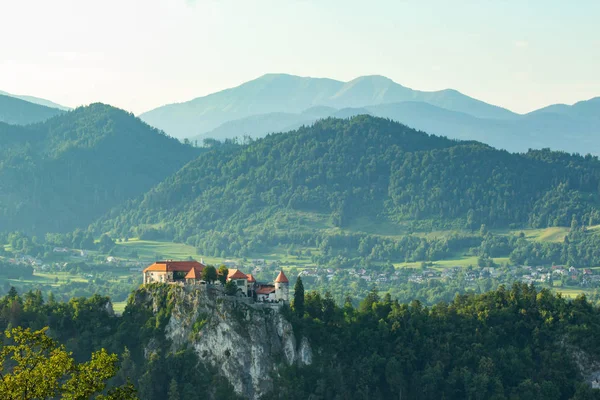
13,294
230,288
299,297
106,243
209,274
34,366
173,391
222,274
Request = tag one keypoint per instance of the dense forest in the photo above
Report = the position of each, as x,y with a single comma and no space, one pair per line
294,186
66,172
517,343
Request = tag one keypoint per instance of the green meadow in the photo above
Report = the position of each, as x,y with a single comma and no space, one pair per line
154,250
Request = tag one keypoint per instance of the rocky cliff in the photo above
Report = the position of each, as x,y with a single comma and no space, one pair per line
247,343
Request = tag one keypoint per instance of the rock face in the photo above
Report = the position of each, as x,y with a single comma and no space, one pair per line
246,342
588,367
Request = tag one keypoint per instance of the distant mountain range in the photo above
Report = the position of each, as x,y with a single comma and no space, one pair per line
568,130
279,102
294,94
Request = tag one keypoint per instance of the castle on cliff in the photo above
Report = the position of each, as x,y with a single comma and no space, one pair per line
190,273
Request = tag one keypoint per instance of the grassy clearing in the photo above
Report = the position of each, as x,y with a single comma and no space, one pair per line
40,278
595,229
63,277
153,250
393,230
553,234
280,254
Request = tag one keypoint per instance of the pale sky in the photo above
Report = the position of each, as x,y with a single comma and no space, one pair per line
140,54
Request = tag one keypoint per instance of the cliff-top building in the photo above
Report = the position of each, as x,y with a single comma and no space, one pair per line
173,271
190,272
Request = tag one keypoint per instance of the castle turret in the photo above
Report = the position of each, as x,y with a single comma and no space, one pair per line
282,287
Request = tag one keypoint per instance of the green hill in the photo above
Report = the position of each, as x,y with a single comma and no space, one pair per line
71,169
286,188
21,112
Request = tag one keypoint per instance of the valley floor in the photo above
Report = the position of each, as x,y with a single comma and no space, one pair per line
116,274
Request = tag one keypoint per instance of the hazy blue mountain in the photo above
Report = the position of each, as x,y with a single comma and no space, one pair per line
21,112
583,109
257,126
351,112
566,129
260,125
36,100
280,93
535,130
376,90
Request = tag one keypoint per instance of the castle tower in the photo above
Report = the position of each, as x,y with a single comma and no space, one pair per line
282,287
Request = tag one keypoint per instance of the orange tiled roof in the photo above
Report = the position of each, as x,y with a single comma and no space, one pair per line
236,274
195,273
251,278
174,266
281,278
265,289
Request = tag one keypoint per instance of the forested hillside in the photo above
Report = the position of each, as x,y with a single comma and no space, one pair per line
519,344
71,169
289,187
20,112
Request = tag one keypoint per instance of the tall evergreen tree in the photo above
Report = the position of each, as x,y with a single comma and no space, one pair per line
173,391
299,297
